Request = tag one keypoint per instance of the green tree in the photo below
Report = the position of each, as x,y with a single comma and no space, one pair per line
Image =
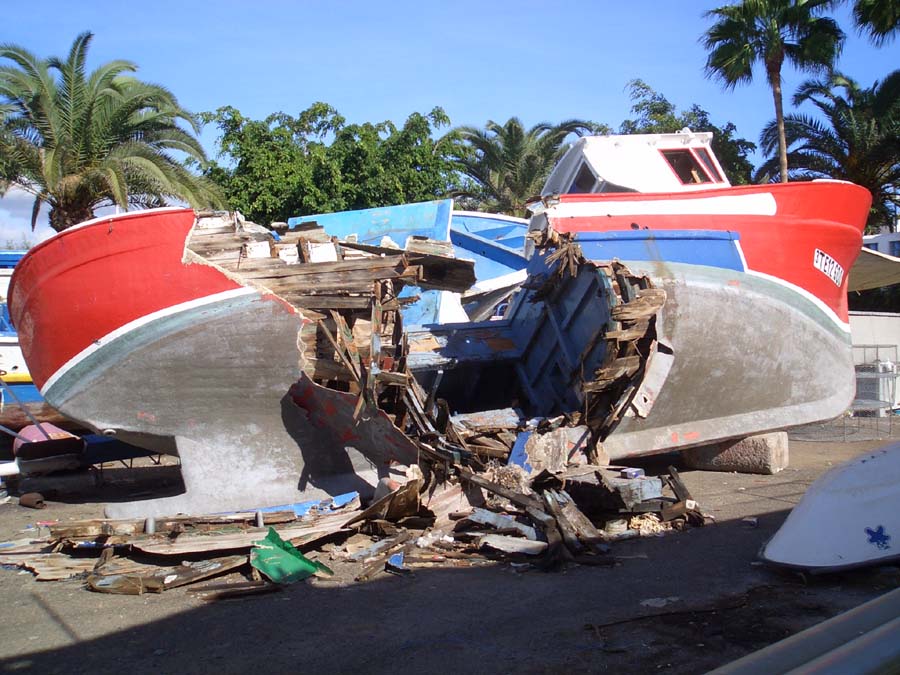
509,164
77,141
655,114
879,18
770,32
382,164
857,138
287,166
277,166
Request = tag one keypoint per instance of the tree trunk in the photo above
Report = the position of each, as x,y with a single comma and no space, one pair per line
64,216
774,72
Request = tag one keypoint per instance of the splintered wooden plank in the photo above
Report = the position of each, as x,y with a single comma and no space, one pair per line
217,235
648,303
438,271
443,273
621,367
328,369
225,257
217,242
88,529
303,301
201,231
427,246
313,286
51,566
208,541
509,544
634,332
356,281
136,579
218,252
314,234
335,339
275,267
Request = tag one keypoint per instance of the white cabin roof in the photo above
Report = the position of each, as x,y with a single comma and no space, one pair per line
683,161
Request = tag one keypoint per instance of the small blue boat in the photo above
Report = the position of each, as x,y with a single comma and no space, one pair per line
496,243
12,363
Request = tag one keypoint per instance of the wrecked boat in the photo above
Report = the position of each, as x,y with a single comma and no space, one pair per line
259,364
755,279
278,365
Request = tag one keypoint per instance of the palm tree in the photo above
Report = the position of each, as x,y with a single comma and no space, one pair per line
880,18
857,139
770,32
509,164
77,141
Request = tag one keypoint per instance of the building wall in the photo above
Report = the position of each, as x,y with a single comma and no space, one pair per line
886,242
876,336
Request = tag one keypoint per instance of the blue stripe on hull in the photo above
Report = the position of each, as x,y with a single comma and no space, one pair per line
710,248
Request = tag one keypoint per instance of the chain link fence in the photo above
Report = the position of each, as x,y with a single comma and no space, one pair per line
848,428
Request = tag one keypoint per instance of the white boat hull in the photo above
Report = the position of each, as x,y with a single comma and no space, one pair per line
850,517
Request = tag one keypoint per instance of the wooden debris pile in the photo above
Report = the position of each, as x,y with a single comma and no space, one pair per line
445,516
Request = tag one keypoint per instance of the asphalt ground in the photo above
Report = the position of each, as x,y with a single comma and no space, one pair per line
684,602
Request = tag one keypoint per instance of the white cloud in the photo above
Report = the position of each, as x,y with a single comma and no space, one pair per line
15,221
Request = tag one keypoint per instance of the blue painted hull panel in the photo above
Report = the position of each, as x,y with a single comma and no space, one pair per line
496,244
425,219
693,247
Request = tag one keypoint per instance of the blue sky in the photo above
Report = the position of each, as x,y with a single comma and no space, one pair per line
376,61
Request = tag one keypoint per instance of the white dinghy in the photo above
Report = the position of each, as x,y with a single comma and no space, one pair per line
849,517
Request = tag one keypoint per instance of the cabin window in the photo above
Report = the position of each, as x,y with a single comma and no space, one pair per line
710,165
584,181
686,166
871,247
895,248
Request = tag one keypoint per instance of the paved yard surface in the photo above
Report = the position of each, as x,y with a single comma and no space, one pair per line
681,603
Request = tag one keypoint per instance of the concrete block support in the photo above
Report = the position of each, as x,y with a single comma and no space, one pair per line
765,454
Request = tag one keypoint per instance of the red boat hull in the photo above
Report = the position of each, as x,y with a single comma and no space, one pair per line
98,277
781,227
127,332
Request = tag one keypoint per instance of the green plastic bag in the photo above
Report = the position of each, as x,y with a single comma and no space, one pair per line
281,562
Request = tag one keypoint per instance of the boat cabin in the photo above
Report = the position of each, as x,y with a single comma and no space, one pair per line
679,162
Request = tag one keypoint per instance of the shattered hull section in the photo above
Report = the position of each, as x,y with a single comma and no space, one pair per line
276,390
236,423
716,323
651,356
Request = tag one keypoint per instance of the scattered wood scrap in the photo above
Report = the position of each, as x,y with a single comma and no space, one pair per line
487,487
444,520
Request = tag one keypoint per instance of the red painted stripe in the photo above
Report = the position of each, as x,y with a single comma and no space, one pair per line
826,216
86,282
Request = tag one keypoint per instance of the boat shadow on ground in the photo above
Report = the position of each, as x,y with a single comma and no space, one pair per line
686,601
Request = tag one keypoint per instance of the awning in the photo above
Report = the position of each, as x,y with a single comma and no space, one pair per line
873,270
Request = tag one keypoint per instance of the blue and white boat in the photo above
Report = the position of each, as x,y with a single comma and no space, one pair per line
496,243
12,363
